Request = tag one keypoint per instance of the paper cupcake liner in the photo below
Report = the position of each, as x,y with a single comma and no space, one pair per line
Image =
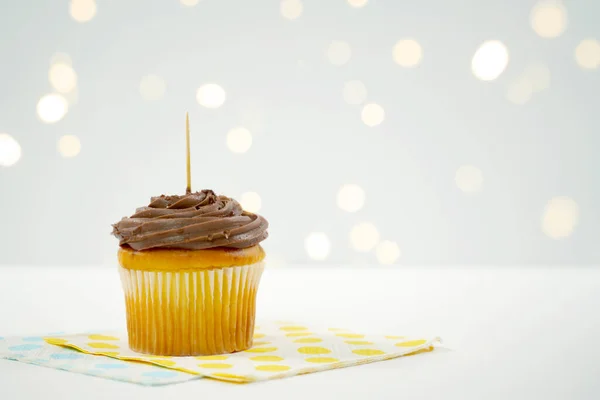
192,312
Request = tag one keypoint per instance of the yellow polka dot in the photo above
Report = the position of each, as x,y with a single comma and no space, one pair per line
224,375
368,352
102,337
101,345
259,335
272,368
411,343
293,328
261,349
296,334
425,350
313,350
266,358
110,353
165,363
56,341
216,366
357,342
394,337
308,340
213,358
259,343
350,335
321,360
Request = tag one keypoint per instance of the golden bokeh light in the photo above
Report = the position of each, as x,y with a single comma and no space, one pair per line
189,3
291,9
490,60
83,10
211,95
407,53
52,108
62,77
152,87
10,150
358,3
250,201
339,52
69,146
317,245
538,75
469,179
364,237
520,91
351,198
560,217
387,252
587,54
239,140
355,92
372,114
548,18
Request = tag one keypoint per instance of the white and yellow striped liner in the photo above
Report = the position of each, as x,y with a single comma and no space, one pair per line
191,312
280,350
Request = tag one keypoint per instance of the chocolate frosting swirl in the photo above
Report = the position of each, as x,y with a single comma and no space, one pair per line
195,221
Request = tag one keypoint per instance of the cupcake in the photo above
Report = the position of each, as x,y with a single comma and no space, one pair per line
190,267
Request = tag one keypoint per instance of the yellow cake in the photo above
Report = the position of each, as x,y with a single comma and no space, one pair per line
190,268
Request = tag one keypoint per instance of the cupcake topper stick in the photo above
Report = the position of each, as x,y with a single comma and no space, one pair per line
188,189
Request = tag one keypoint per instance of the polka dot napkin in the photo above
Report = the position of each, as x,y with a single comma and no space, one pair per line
280,350
33,350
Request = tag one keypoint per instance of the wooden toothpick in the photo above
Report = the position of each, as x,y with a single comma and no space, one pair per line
188,189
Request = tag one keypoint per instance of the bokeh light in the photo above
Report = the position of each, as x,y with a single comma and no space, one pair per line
152,87
355,92
210,95
364,237
250,201
407,53
291,9
317,245
239,140
387,252
490,60
358,3
548,18
69,146
189,3
469,178
10,150
52,108
339,52
538,75
62,77
372,114
83,10
587,54
560,217
520,91
351,198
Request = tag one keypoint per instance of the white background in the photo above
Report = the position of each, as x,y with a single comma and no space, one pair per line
307,142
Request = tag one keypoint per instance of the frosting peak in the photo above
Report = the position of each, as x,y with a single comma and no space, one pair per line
194,221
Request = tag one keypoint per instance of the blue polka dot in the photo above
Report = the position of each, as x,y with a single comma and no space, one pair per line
24,347
33,339
111,366
1,338
66,356
160,374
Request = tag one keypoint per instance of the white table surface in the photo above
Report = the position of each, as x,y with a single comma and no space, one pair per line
514,333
